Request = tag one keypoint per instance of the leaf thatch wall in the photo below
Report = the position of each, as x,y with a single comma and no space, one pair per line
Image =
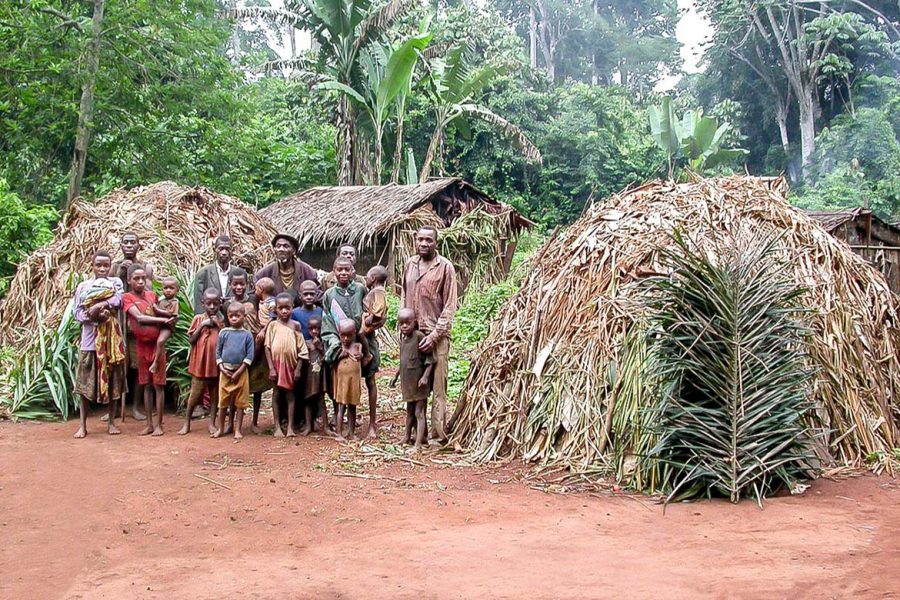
562,377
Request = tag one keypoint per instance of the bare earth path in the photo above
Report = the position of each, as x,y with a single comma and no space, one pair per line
128,517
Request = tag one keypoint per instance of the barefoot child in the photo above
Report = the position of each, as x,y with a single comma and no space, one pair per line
373,317
347,378
285,348
234,355
101,367
166,308
204,334
414,374
313,390
259,370
145,327
307,309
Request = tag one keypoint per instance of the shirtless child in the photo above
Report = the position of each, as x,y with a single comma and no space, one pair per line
167,308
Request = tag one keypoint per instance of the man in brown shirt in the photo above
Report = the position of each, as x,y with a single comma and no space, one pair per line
429,288
288,271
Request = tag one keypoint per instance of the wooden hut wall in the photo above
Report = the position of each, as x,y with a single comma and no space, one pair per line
877,242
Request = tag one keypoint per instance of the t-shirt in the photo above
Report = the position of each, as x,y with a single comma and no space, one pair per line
303,315
234,346
144,303
412,366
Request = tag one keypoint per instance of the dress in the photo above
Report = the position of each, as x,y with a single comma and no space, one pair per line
347,381
413,363
314,382
287,347
145,337
202,360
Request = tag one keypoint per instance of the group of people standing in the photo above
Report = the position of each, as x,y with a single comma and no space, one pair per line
306,335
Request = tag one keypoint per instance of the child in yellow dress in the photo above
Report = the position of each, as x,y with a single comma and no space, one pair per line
347,378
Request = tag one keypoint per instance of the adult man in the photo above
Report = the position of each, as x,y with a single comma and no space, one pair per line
130,245
347,251
216,275
287,271
429,288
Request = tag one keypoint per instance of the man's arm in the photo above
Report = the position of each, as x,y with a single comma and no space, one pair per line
199,288
448,285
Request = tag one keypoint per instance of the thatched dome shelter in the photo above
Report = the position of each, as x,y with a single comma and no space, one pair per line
176,225
479,233
553,384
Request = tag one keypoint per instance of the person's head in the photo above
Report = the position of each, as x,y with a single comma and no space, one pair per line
223,250
284,304
426,242
347,251
377,275
406,321
343,271
236,313
212,302
137,279
347,331
314,325
130,244
238,282
308,292
169,287
285,248
264,288
101,263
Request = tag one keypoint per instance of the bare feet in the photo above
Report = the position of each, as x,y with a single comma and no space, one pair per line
212,429
157,432
238,435
352,436
138,415
373,434
278,432
111,429
340,438
184,430
147,431
229,429
407,442
290,432
306,430
216,434
256,429
80,433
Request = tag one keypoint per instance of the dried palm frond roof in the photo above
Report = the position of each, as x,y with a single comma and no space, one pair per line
830,220
555,382
176,224
324,216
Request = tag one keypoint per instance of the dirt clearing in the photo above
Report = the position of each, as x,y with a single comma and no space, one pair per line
191,517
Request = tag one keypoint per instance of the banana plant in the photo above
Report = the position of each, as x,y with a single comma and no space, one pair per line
694,139
454,88
387,75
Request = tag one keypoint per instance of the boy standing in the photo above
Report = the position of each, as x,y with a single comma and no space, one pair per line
373,318
204,334
100,377
234,355
307,309
414,374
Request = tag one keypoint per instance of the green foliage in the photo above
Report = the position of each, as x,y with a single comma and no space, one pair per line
729,356
22,229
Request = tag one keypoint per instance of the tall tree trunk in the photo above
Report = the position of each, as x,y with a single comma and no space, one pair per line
292,38
344,142
433,146
398,145
86,107
532,37
806,104
235,36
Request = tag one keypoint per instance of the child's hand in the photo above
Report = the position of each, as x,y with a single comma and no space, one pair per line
170,322
261,336
273,375
423,382
355,354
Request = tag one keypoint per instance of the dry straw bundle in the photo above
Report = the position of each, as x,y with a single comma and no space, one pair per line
177,226
562,378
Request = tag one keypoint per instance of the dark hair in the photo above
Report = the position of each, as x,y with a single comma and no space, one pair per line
316,320
431,229
235,304
212,292
131,233
284,296
169,278
342,259
133,269
222,239
100,254
238,272
379,274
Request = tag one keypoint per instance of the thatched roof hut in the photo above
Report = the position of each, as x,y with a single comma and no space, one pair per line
380,221
872,238
176,225
553,383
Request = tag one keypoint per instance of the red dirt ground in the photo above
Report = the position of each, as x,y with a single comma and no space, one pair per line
127,517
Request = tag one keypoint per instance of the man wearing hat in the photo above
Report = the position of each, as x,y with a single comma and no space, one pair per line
287,271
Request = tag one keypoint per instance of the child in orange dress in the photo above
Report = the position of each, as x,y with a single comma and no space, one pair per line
204,334
347,378
285,348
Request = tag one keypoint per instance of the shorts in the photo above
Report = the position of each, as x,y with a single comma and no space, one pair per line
237,392
145,352
87,384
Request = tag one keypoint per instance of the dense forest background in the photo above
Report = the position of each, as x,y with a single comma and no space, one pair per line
543,103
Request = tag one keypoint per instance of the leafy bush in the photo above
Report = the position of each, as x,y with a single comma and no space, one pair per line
22,229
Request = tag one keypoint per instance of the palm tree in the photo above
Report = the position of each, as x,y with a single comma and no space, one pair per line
454,88
342,29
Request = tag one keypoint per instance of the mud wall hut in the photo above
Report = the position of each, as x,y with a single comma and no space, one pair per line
477,232
868,236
